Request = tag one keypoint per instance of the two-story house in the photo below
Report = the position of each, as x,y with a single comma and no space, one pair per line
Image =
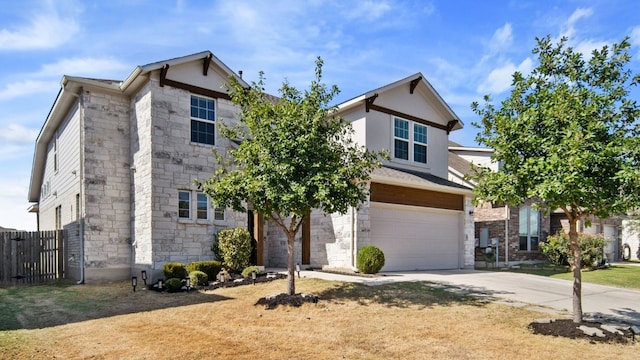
115,161
515,232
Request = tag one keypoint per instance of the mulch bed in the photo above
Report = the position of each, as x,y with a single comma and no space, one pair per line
242,281
567,328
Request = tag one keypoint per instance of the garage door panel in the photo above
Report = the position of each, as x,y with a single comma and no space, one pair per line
415,239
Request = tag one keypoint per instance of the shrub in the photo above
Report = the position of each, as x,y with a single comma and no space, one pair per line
209,267
370,259
173,285
198,277
174,270
246,273
235,247
558,250
215,248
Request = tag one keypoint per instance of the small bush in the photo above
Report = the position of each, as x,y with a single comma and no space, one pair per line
209,267
235,247
558,250
370,259
174,270
198,278
173,285
246,273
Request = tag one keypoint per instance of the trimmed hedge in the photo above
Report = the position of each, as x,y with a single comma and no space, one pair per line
235,247
174,270
246,273
370,259
198,278
209,267
558,250
173,285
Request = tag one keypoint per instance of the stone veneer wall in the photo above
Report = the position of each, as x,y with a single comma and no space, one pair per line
330,241
107,250
167,162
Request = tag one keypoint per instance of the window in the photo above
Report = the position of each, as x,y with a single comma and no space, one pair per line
401,141
406,137
202,120
58,214
55,153
77,207
184,205
218,213
529,229
202,206
420,143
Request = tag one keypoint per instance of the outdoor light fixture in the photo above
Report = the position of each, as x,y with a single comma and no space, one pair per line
253,277
160,284
188,281
144,277
298,270
221,277
134,282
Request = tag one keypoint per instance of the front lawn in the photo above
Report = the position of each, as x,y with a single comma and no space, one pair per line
626,276
350,321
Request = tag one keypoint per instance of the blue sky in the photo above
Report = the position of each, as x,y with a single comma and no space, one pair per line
464,48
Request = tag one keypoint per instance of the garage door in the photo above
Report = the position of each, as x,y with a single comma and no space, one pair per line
414,238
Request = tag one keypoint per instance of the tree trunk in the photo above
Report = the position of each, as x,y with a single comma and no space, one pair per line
577,275
290,263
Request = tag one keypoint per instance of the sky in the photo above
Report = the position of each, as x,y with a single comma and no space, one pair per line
465,49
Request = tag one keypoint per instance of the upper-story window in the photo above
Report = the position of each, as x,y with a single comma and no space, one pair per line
529,228
409,141
203,115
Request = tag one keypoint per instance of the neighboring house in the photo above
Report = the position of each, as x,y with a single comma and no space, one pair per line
115,161
630,242
523,226
2,229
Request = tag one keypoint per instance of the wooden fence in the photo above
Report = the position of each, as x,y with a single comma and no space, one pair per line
31,257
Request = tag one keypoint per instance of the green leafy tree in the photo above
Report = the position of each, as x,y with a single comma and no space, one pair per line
568,136
294,155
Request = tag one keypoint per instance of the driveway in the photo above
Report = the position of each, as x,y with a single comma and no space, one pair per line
516,289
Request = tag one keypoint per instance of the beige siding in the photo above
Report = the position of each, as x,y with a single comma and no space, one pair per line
60,186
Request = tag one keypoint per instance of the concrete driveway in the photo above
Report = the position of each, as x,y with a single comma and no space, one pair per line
517,289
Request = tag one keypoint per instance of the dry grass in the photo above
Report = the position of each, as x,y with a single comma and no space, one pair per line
396,321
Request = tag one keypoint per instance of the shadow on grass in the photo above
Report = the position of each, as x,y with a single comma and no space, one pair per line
41,306
408,294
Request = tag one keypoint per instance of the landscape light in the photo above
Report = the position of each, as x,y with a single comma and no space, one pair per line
134,282
144,277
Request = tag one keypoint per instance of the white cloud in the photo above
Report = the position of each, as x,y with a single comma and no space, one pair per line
83,67
569,30
17,133
42,32
13,205
500,79
368,10
502,38
27,87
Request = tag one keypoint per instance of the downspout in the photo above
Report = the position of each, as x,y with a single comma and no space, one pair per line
353,239
82,185
506,235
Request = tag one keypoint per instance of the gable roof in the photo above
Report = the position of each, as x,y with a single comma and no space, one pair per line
413,81
70,88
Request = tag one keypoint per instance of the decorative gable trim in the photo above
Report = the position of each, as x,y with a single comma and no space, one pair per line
369,105
191,88
413,84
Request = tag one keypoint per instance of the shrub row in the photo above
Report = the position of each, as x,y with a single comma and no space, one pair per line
558,250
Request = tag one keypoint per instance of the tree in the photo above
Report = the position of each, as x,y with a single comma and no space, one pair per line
568,137
294,155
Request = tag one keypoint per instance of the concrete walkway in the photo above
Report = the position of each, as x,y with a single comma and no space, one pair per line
598,301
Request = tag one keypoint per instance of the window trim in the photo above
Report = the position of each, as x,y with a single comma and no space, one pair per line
529,235
194,211
196,119
410,140
180,217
